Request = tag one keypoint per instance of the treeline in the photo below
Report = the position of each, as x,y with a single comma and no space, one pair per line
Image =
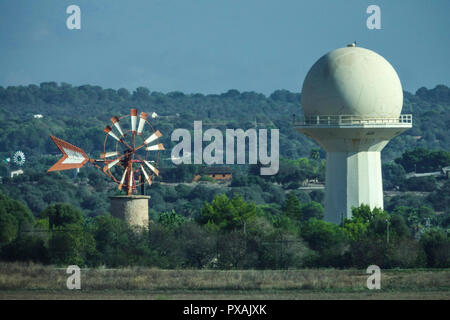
90,188
228,234
79,114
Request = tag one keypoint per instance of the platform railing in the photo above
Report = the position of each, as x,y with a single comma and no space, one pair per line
350,120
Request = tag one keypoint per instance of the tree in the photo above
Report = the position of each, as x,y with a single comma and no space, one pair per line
65,245
171,220
436,244
414,217
27,247
232,247
292,207
141,93
61,214
327,240
406,200
14,217
8,227
393,175
109,233
420,184
227,214
317,196
196,245
312,210
440,198
423,160
321,235
362,217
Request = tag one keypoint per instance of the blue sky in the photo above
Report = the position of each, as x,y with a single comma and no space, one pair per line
211,46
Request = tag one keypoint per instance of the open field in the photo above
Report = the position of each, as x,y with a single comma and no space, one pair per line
20,281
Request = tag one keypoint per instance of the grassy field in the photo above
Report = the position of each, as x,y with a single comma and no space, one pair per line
29,281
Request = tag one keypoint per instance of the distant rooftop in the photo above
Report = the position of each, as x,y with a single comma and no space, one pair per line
215,170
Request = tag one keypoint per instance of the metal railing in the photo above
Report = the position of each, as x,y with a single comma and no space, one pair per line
350,120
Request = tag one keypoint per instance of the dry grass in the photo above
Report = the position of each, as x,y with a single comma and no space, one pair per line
37,281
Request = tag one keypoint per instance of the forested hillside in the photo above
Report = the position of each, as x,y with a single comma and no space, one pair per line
79,114
262,222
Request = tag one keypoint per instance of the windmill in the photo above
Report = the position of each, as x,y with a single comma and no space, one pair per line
19,158
130,153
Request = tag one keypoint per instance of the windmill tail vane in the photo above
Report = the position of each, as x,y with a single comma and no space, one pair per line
125,155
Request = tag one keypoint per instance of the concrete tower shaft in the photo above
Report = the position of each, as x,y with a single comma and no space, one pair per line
353,172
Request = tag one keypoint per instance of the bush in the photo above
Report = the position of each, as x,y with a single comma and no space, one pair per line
61,214
424,184
436,244
26,248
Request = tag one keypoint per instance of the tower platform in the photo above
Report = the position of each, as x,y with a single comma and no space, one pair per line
353,145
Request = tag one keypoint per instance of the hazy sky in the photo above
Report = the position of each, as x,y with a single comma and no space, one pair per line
210,46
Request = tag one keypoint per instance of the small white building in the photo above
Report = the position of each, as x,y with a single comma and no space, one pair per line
16,173
38,116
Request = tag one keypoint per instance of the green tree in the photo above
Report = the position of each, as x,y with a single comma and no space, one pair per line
328,242
197,246
61,214
362,216
14,218
427,184
436,244
312,210
66,245
227,214
27,247
292,207
440,198
321,235
171,219
393,176
423,160
8,227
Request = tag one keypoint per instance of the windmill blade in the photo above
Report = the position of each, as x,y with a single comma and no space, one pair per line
155,147
133,114
123,179
111,164
115,121
108,130
153,137
72,157
109,154
142,118
156,171
147,177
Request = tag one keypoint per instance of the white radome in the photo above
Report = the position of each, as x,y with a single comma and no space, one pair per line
352,81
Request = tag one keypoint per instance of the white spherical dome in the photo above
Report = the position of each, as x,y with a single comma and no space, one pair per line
352,81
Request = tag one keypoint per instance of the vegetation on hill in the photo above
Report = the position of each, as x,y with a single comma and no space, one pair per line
79,114
229,233
262,222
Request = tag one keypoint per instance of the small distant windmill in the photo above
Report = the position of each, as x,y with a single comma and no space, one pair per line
14,163
19,158
125,154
